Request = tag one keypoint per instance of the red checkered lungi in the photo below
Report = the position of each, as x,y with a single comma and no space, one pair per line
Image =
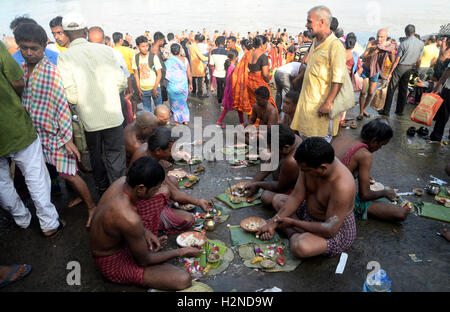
121,268
150,211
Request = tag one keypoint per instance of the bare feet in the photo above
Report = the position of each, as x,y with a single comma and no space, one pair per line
445,233
75,202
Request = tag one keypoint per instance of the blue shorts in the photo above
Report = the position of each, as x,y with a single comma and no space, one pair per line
366,72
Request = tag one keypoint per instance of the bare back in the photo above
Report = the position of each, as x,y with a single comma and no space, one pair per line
132,143
114,211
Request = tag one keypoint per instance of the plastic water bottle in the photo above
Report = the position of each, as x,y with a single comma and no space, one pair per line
379,282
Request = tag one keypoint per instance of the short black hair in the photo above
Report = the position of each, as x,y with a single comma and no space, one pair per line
141,39
259,41
232,38
314,151
432,38
371,38
410,30
147,171
160,138
339,32
220,41
30,33
158,36
263,92
117,36
175,49
126,43
200,38
377,129
293,95
286,135
334,24
57,21
170,36
21,20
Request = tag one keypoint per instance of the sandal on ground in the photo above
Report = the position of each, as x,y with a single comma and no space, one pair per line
344,124
411,131
7,280
359,117
366,115
353,125
62,225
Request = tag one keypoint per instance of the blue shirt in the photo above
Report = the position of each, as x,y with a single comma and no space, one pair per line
52,56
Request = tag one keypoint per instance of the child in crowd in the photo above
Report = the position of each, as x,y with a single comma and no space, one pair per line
289,105
227,101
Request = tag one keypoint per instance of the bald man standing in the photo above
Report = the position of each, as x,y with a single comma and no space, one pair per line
376,53
162,112
138,132
97,35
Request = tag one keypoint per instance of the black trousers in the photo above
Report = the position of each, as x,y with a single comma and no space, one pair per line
197,85
442,116
220,89
124,108
400,78
110,144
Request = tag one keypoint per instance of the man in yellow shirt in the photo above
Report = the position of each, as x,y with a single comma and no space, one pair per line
429,58
62,41
323,79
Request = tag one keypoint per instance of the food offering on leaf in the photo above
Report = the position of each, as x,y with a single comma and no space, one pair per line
237,193
186,207
191,239
252,224
177,174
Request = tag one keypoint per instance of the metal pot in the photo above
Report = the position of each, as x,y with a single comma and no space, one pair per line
209,224
433,188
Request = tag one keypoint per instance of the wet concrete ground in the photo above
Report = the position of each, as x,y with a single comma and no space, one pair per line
405,163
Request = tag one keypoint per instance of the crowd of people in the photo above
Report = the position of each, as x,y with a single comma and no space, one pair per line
113,99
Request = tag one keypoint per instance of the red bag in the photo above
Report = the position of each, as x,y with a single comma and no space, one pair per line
427,108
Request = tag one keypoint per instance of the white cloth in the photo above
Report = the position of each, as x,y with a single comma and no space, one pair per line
31,162
447,82
291,68
121,61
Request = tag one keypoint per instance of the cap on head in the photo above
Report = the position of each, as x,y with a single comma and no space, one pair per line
73,21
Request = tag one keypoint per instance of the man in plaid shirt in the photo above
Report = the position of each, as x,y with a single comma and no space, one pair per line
45,101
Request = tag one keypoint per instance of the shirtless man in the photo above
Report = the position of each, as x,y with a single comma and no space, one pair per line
356,154
159,146
124,250
263,111
318,215
162,112
285,176
288,107
137,133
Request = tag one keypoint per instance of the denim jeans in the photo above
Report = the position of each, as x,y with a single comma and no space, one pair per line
147,100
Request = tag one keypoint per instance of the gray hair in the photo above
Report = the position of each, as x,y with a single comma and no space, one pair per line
322,11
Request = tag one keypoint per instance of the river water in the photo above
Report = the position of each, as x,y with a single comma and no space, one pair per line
136,16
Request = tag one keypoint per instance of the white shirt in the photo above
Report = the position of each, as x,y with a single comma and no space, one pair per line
291,68
121,61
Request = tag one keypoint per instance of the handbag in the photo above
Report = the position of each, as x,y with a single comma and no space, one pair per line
427,109
379,97
345,99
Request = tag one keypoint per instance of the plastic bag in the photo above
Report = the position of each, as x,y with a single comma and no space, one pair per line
427,108
379,97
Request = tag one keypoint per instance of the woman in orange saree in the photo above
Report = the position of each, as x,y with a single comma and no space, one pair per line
241,102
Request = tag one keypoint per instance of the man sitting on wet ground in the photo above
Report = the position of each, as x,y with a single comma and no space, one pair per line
162,112
159,146
285,176
137,133
125,251
356,154
318,215
263,112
